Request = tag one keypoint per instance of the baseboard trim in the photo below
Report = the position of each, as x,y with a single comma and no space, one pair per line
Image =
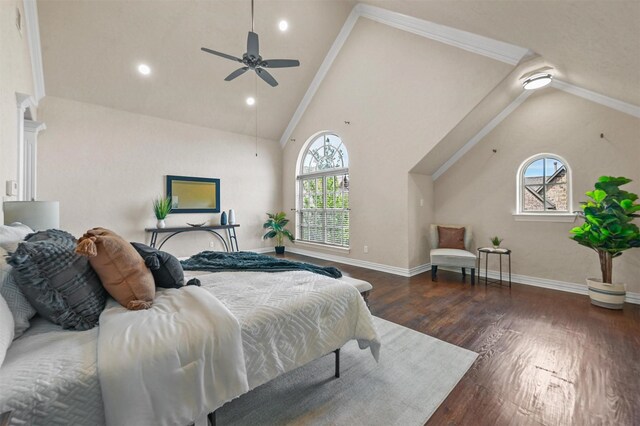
261,250
395,270
565,286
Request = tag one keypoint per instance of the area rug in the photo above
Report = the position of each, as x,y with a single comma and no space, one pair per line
415,374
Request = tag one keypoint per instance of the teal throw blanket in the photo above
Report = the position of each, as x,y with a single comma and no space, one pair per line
248,261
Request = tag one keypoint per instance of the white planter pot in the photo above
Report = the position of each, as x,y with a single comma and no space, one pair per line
160,224
606,295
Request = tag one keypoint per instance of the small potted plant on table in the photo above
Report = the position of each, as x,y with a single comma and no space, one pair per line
608,230
276,226
496,242
161,208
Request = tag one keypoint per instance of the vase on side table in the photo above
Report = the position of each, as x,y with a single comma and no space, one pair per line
161,224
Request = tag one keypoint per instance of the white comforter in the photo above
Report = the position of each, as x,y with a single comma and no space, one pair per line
286,319
170,364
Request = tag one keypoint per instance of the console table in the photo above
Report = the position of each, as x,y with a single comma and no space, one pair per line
230,244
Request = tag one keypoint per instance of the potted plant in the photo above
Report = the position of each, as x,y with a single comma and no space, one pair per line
161,208
275,224
496,242
608,230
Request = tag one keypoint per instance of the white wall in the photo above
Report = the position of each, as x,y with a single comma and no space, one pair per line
402,94
480,189
15,76
105,166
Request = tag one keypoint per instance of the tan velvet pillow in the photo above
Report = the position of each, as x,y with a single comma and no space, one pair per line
452,238
121,269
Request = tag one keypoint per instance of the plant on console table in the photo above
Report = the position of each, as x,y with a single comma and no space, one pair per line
161,208
276,226
608,229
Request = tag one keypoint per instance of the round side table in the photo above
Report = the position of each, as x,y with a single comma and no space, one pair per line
500,252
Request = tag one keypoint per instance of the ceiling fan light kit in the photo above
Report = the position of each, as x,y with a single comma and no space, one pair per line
252,60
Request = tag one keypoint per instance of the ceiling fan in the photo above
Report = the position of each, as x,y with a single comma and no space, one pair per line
253,61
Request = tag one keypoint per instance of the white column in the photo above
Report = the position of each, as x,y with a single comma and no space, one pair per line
31,130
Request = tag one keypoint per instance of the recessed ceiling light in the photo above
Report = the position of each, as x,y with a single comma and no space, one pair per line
283,25
537,81
250,101
144,69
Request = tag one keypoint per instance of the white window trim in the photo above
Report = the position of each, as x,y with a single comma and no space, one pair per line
546,216
299,194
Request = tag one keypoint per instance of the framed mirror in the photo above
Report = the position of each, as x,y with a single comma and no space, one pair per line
193,194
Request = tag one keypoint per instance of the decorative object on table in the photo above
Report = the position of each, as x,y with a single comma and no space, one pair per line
496,241
193,194
196,225
223,218
608,230
251,59
276,225
232,217
38,215
161,208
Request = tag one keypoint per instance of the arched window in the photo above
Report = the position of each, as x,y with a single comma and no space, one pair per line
323,191
544,185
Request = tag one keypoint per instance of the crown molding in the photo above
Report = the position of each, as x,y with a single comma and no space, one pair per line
616,104
482,133
494,49
35,50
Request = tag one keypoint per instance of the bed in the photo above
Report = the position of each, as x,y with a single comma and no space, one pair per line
50,376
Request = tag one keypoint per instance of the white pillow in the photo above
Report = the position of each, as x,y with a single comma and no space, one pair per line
12,235
21,309
6,329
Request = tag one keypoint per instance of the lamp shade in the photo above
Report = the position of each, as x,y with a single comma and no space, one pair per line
38,215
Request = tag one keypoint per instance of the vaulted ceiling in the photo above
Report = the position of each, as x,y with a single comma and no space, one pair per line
91,50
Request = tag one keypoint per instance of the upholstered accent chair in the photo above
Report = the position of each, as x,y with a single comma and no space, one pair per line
450,256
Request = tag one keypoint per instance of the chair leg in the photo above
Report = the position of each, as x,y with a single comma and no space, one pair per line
434,272
473,276
464,273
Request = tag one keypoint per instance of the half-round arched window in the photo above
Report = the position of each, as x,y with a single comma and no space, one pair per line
544,185
323,191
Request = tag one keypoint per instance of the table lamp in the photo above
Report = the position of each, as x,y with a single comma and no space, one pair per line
38,215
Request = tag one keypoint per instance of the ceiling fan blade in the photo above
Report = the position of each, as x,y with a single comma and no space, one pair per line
280,63
253,46
263,74
236,73
223,55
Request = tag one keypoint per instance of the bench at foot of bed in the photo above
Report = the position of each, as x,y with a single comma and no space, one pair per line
363,287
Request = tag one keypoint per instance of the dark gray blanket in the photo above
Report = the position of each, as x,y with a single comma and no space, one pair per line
248,261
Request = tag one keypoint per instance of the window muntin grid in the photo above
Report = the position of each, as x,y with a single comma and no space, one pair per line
323,205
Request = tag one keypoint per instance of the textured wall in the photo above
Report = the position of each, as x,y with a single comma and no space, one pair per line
106,166
480,189
402,94
15,76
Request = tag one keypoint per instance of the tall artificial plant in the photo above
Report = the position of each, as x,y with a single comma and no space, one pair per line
607,227
275,224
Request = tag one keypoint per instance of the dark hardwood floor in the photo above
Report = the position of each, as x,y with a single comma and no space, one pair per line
545,357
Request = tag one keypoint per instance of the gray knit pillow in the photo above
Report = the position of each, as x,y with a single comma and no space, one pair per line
59,284
20,307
